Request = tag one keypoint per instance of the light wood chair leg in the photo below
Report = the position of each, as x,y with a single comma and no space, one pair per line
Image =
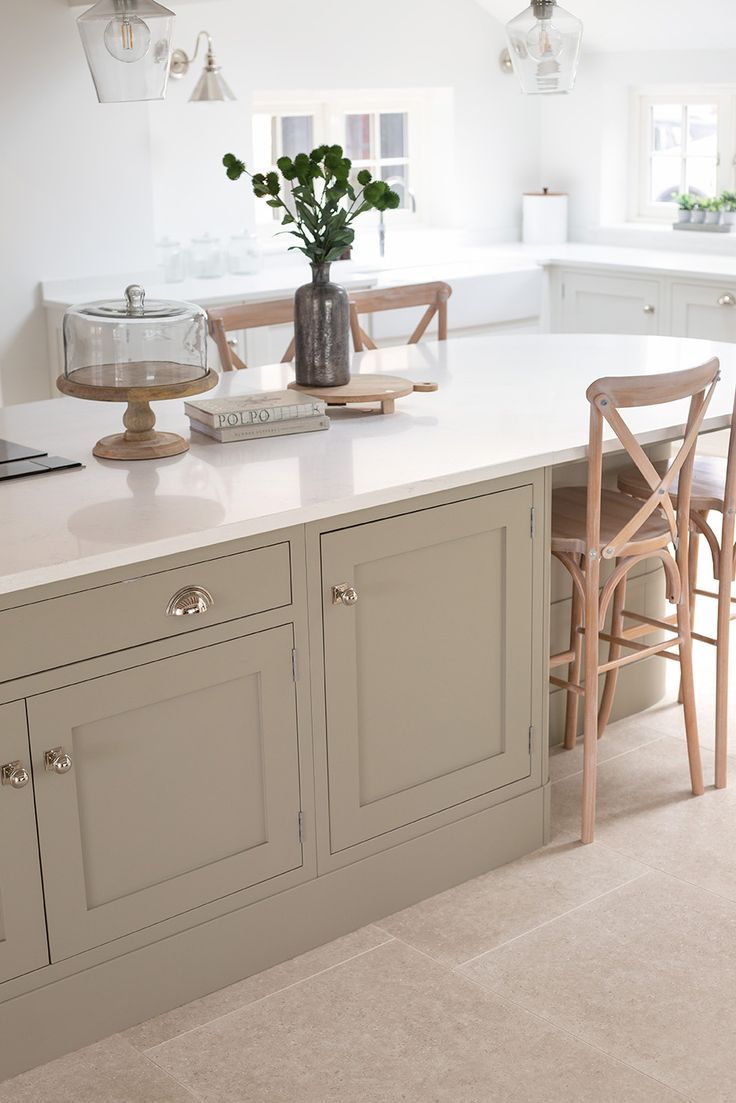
614,652
576,645
590,722
688,697
723,636
692,583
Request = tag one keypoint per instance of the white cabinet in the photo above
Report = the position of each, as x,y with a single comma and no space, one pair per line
706,310
594,303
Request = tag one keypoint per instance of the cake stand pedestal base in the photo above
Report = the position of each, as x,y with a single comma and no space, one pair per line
140,441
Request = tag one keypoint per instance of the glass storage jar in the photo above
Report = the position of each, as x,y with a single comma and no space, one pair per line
208,261
134,343
244,254
171,260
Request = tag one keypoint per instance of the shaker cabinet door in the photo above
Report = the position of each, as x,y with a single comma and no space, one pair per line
609,304
428,674
23,944
704,310
165,787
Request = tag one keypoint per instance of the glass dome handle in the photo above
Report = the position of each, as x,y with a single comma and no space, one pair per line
136,297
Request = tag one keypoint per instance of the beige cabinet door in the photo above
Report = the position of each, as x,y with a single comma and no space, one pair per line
704,310
23,944
428,676
183,787
609,304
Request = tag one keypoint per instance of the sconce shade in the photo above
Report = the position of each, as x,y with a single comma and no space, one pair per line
211,86
128,48
544,43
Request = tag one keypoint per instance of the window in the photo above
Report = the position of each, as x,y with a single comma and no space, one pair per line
686,143
381,131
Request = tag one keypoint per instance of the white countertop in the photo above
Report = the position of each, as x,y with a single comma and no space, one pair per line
655,261
505,405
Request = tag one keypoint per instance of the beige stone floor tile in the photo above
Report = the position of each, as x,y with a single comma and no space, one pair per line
393,1026
222,1002
646,973
620,738
647,812
107,1072
474,917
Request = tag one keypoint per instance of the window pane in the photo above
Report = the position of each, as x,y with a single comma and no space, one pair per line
296,135
394,173
701,175
358,137
667,128
702,130
665,179
393,135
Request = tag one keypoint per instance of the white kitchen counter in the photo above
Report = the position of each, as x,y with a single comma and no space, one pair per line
654,261
505,405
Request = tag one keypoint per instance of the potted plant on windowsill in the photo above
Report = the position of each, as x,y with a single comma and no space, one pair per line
685,204
698,212
319,204
713,212
728,199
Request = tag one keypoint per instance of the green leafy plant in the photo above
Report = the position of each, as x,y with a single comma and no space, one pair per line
700,204
714,204
728,201
685,202
318,200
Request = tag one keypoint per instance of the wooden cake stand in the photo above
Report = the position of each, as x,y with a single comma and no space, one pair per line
383,389
141,440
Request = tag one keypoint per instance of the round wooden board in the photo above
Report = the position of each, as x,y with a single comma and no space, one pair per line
116,447
383,389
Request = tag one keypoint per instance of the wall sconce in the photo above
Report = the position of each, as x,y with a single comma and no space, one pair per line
128,47
211,85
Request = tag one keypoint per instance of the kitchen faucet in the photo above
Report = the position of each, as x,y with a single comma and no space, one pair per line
392,182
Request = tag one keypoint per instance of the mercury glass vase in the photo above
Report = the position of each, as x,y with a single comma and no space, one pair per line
322,332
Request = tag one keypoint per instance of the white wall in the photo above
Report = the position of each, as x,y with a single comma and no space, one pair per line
492,159
585,136
75,187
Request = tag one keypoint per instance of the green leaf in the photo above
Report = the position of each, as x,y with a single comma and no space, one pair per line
287,220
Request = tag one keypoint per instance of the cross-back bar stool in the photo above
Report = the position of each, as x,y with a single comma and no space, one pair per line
274,312
590,525
713,490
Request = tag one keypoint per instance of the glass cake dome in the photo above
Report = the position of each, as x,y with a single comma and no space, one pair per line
133,343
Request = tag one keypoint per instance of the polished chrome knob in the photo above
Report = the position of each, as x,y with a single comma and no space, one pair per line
15,775
649,309
727,300
344,595
57,761
189,601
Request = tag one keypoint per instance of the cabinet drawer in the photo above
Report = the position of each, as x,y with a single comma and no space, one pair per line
180,787
79,626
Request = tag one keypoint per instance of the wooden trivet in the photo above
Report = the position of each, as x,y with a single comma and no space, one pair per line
383,389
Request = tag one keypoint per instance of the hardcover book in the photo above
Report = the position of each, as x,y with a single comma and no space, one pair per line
280,428
253,409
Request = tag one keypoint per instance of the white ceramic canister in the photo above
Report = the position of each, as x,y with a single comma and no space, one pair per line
545,218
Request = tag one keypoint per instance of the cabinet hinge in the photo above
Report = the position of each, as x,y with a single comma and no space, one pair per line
294,668
300,826
532,522
531,739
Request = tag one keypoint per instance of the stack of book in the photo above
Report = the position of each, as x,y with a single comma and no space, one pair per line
247,417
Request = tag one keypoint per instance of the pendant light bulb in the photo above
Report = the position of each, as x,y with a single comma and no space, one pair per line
127,38
544,41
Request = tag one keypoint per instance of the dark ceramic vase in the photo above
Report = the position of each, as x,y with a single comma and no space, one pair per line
322,332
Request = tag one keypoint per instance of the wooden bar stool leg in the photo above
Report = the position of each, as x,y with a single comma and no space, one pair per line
576,645
590,723
614,652
693,583
688,696
723,636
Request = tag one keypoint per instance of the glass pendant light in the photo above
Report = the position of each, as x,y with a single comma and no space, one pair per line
544,43
211,86
128,48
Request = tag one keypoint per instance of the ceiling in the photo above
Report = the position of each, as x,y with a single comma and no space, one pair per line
645,24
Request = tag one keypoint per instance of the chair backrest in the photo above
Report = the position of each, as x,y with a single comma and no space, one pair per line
607,397
432,295
243,316
274,312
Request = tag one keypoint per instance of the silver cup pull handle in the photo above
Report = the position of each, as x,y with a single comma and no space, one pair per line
57,761
727,300
14,774
190,601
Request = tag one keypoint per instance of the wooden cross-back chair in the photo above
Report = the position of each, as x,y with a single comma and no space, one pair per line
432,295
590,525
713,490
245,316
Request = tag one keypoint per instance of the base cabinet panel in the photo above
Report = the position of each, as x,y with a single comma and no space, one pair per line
428,676
183,787
593,303
23,945
704,310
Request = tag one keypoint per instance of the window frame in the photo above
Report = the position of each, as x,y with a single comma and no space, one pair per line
642,209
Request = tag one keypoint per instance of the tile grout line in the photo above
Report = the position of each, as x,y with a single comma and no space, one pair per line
668,873
613,758
562,915
570,1033
268,996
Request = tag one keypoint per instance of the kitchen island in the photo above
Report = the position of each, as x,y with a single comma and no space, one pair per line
354,718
